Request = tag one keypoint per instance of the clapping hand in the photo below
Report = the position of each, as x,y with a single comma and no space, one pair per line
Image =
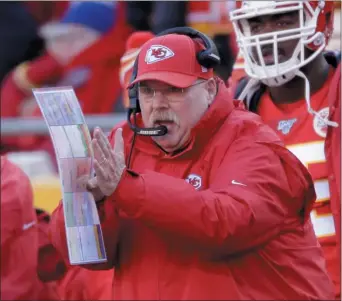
109,163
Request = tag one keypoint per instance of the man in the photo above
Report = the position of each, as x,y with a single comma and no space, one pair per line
214,207
19,238
295,88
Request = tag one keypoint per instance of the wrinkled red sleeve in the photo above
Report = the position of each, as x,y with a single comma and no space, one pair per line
224,217
19,247
84,284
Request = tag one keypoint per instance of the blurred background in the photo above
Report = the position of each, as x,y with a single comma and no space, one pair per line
90,46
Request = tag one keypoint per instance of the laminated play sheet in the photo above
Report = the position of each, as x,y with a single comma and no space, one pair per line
72,144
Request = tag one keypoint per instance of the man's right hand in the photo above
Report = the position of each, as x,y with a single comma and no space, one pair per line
92,186
109,164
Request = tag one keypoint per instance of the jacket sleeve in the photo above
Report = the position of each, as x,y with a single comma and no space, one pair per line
110,228
225,217
19,241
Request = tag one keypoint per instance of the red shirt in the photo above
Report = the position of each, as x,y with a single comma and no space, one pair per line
304,135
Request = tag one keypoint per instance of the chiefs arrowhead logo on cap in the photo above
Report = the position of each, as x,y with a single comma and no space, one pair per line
157,53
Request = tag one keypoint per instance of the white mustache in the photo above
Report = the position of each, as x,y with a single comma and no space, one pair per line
163,116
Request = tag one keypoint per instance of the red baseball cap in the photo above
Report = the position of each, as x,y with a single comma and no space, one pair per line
171,59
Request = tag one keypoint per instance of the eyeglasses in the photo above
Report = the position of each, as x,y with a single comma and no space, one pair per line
171,93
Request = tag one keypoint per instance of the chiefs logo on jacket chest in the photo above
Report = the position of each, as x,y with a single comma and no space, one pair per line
194,180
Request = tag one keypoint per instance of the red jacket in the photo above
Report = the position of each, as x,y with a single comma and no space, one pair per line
19,238
83,284
333,159
333,155
227,218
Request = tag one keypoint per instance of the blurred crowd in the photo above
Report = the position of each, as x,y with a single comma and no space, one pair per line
90,46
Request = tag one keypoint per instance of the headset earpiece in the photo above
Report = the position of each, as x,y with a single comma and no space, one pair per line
133,92
208,57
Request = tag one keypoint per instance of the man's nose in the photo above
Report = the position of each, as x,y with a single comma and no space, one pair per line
268,27
159,100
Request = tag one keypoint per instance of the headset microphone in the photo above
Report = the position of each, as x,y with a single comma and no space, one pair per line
157,131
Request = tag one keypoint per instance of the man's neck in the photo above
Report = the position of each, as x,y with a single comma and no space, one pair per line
317,72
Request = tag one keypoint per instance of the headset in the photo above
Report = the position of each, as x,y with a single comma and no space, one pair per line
208,58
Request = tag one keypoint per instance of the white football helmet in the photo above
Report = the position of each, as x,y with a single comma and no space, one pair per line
314,31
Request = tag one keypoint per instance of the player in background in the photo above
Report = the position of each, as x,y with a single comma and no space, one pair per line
295,86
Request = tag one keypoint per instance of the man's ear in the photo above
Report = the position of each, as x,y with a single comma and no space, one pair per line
212,90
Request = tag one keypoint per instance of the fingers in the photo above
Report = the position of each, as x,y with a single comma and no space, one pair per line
98,153
103,142
99,170
119,148
108,163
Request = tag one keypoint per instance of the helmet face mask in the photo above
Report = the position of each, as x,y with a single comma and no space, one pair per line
274,37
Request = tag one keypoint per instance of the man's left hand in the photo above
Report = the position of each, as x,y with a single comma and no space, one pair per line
109,163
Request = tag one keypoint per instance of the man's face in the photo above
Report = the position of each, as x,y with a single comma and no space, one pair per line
274,23
177,109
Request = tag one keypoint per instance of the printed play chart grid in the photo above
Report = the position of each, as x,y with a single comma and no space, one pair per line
72,144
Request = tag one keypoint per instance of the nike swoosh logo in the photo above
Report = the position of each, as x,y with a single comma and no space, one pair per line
28,225
238,183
